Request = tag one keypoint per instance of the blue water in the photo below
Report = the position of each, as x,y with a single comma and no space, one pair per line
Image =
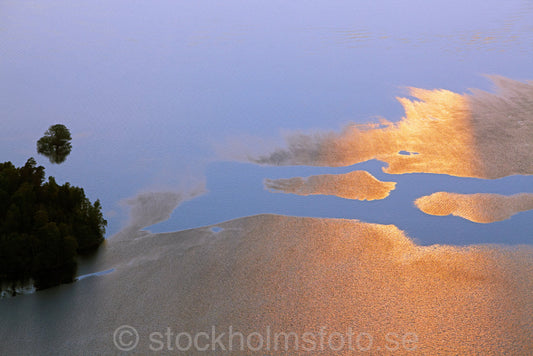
149,91
236,190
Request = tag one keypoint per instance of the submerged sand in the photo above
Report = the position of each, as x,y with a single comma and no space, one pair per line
286,274
358,185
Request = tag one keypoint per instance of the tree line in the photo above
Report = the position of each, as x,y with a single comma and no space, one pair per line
44,226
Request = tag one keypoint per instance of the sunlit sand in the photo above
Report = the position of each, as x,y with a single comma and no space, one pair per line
480,208
358,185
182,116
294,275
480,135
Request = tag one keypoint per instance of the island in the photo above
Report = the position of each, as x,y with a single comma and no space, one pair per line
43,227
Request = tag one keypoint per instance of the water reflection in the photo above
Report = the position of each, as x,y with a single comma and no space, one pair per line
481,208
359,185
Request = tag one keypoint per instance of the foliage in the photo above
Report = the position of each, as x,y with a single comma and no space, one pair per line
55,144
43,226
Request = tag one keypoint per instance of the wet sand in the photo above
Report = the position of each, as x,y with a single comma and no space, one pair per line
481,135
285,274
480,207
357,185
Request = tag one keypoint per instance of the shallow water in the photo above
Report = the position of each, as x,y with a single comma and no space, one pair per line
155,94
271,273
183,113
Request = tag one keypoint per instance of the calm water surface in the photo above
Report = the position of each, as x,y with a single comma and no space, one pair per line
154,92
179,97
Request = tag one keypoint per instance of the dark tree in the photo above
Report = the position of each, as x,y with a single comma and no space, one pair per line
43,226
55,144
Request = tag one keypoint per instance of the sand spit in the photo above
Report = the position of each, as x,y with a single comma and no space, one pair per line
358,185
149,208
481,135
272,274
480,208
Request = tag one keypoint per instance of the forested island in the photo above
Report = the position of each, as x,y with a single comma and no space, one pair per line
43,227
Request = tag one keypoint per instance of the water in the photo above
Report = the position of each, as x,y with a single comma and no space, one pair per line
170,103
151,93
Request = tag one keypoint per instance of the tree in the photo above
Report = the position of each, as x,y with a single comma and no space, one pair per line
44,226
55,144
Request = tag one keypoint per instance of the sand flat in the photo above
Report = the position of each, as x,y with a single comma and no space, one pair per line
357,185
480,207
287,274
482,135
